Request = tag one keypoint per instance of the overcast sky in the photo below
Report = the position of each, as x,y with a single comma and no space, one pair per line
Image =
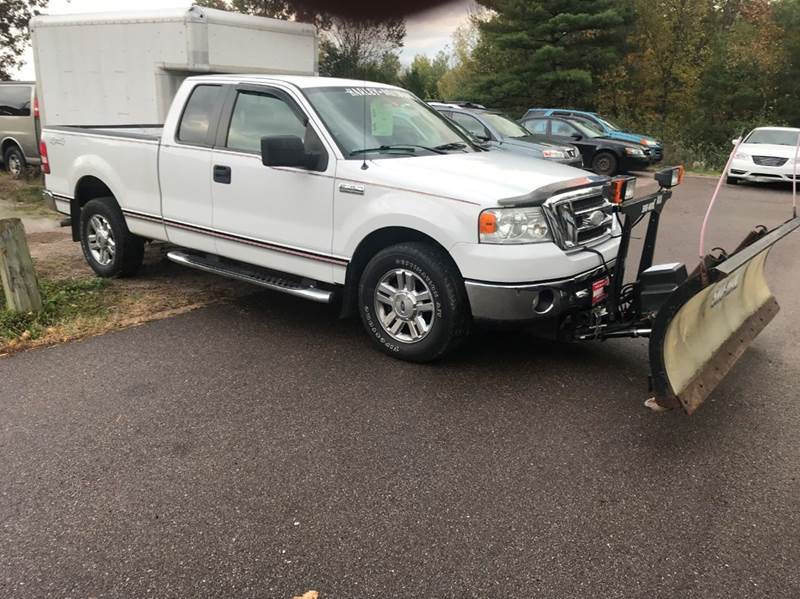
428,32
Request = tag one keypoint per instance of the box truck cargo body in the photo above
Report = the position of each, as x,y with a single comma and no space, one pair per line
125,67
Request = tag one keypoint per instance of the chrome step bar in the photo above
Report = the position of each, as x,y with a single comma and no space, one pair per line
251,274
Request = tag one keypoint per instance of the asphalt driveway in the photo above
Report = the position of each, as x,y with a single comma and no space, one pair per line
262,449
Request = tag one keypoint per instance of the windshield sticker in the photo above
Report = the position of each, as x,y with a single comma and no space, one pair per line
382,119
376,91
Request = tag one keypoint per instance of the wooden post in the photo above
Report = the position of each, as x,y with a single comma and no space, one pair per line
16,268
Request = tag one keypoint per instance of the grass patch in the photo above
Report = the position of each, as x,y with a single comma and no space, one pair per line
65,301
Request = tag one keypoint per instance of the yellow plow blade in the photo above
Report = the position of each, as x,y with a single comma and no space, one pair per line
701,331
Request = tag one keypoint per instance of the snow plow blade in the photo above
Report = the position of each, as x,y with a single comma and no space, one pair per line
703,328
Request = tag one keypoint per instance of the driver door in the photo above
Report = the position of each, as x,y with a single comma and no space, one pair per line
276,217
562,132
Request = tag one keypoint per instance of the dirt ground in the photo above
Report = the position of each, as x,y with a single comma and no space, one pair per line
161,288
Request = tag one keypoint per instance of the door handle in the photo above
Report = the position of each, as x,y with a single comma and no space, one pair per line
222,174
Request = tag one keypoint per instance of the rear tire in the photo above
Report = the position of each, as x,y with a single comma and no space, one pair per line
412,302
108,246
15,163
605,163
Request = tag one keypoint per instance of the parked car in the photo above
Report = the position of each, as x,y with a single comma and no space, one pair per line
653,148
19,126
603,155
497,131
766,155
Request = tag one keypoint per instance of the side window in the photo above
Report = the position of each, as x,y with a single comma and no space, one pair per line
562,129
199,114
257,115
537,126
15,100
471,124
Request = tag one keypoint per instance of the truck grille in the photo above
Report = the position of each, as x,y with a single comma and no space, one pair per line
769,160
580,218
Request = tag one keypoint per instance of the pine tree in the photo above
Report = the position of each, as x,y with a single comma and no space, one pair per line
548,52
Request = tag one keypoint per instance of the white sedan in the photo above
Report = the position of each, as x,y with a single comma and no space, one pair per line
766,154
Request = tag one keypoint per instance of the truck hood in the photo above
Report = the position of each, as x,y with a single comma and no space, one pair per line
483,178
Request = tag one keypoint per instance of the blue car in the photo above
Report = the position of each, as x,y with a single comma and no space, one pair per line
653,147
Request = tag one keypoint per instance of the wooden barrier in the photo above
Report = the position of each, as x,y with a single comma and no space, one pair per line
16,269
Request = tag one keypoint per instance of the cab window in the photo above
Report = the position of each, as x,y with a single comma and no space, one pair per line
257,115
198,114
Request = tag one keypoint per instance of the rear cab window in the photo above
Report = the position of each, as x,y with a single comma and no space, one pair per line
200,112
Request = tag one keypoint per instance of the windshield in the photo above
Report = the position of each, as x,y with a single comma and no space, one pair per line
504,125
586,129
382,122
778,137
608,124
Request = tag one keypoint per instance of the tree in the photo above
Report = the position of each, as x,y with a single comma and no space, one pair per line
423,75
453,83
547,51
360,49
14,35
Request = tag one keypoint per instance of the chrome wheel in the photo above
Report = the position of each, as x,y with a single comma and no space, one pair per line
14,165
404,305
101,240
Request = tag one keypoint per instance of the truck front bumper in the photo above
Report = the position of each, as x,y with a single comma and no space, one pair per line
521,303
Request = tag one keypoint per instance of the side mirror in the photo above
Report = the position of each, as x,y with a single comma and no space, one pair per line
285,150
576,136
736,141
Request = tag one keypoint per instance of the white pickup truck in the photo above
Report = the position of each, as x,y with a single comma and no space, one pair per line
338,190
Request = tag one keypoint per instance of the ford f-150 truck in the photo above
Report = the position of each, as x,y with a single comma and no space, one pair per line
280,180
359,193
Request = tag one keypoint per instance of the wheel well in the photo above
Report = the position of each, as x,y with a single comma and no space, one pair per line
88,188
371,245
7,143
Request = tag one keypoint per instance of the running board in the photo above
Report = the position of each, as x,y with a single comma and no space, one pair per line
251,274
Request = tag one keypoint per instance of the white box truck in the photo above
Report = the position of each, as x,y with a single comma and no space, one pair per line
118,68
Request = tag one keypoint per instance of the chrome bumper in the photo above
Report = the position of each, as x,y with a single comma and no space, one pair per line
495,302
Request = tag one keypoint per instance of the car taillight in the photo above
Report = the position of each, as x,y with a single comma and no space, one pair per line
35,107
43,156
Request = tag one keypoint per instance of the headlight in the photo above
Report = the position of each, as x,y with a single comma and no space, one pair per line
553,154
741,156
513,225
650,142
634,152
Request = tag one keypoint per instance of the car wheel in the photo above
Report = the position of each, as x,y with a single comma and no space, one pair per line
605,163
15,162
413,303
732,180
109,248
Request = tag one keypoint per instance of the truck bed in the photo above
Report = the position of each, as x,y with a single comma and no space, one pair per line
146,132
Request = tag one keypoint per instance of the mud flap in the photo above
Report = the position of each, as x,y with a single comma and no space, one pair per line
702,330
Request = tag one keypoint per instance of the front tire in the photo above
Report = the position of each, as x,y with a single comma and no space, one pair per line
15,162
108,246
413,303
605,163
732,180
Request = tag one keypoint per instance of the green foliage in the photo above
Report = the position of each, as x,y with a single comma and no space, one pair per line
423,76
14,17
546,51
64,300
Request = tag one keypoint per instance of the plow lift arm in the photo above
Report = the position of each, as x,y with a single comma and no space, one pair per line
698,324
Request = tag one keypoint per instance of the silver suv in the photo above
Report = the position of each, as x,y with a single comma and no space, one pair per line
19,126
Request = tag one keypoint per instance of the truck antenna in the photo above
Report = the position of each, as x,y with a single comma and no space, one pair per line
364,165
